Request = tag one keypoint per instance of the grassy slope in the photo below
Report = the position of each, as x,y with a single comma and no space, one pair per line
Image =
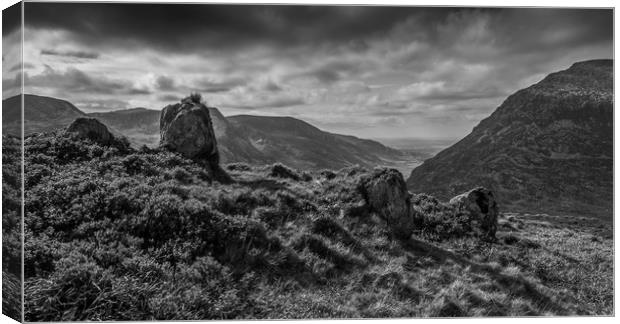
117,234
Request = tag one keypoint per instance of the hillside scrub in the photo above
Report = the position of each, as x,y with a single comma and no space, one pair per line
114,233
11,227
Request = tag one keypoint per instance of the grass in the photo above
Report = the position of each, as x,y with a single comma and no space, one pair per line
115,233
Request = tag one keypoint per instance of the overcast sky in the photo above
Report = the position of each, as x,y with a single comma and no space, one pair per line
367,71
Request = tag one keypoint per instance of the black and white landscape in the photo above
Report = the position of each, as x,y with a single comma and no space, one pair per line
193,162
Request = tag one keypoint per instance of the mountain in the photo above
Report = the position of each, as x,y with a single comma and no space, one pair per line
139,125
44,114
547,148
294,142
248,139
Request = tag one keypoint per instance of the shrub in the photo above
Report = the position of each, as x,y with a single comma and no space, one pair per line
238,167
194,97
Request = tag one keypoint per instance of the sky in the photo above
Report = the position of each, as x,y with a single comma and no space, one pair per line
369,71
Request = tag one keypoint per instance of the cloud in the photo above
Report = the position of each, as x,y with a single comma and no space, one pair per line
332,71
271,86
11,86
75,80
169,98
75,54
443,91
95,105
164,83
249,99
11,19
18,67
228,26
211,85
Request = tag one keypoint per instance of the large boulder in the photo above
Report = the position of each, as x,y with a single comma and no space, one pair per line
385,192
480,206
186,128
92,129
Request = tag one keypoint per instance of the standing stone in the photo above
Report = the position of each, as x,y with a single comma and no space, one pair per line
186,128
480,205
386,193
92,129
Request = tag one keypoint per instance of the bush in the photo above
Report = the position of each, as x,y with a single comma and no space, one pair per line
194,97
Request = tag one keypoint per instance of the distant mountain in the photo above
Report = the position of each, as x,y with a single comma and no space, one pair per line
547,148
249,139
297,143
44,114
139,125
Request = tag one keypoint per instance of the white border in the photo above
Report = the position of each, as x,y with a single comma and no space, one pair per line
456,3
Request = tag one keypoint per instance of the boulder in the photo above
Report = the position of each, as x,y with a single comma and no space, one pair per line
92,129
385,192
186,128
480,206
280,171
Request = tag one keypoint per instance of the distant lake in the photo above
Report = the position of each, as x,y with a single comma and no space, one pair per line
418,150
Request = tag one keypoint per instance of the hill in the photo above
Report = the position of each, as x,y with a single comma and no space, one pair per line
248,139
44,114
547,148
296,143
114,233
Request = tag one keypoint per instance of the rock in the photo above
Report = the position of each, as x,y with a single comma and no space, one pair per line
186,128
481,207
280,171
385,192
92,129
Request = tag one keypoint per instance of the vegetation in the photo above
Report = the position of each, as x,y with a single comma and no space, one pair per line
11,227
195,97
114,233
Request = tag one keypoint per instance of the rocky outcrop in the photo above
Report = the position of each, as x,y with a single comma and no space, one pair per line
547,149
385,193
92,129
480,207
186,128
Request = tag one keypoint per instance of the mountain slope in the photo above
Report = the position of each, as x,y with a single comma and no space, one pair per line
43,114
547,148
296,143
139,125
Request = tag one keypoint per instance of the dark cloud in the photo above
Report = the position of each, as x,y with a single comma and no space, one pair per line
332,71
11,18
75,54
165,83
182,27
75,80
271,87
161,24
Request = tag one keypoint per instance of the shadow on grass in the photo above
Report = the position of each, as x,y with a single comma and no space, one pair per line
267,184
513,284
